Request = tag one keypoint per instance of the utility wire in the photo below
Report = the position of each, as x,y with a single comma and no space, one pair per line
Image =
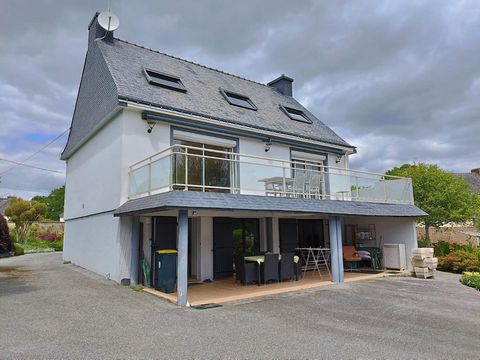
30,166
32,155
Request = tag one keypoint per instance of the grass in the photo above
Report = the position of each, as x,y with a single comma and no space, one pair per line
137,287
66,262
471,279
35,245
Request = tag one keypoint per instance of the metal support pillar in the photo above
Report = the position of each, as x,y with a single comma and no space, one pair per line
134,248
182,259
336,248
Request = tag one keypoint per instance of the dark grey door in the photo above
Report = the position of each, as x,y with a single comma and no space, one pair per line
165,233
222,248
164,237
288,235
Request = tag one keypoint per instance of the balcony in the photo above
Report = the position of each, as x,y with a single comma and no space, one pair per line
182,167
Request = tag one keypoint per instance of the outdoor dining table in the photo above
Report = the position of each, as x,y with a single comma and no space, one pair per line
277,184
259,259
313,258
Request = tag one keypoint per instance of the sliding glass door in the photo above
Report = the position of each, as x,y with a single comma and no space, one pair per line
201,169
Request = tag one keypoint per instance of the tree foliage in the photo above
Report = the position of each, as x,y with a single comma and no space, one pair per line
54,202
5,241
444,196
22,213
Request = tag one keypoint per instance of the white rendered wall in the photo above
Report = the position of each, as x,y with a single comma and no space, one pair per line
92,182
137,144
94,239
206,248
101,244
390,230
250,174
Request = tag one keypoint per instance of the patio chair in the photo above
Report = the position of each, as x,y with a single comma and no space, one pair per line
270,268
287,267
299,183
245,272
314,184
351,257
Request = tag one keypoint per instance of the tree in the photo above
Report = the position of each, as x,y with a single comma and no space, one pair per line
22,213
54,202
5,241
444,196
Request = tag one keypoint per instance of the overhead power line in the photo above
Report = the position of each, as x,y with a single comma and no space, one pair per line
32,155
29,166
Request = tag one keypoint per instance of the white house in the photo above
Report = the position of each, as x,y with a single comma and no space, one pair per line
166,153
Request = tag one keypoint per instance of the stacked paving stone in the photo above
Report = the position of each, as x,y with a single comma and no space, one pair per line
424,264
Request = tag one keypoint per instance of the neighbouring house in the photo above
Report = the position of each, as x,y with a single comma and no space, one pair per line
164,153
5,203
472,178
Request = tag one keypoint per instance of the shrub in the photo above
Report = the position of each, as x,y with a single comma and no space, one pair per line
471,279
48,237
443,248
459,260
5,241
57,245
18,249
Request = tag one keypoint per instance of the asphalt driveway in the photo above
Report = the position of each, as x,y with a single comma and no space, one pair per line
54,311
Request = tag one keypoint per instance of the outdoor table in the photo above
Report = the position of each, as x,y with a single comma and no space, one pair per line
259,259
276,184
313,258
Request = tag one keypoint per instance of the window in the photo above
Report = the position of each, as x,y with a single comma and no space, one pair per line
204,163
164,80
308,174
295,114
238,100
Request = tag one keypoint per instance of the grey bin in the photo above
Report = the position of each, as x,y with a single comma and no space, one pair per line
166,271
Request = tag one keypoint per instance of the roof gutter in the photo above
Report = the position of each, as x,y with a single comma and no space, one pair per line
157,112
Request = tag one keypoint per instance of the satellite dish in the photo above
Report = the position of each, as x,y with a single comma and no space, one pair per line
108,21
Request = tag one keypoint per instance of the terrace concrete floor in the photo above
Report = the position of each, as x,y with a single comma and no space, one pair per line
53,311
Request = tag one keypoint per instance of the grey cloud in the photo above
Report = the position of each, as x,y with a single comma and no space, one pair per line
401,80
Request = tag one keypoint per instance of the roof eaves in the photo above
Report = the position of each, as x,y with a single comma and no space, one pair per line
228,121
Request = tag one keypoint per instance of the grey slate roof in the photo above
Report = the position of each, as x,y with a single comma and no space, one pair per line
114,71
97,97
472,179
218,201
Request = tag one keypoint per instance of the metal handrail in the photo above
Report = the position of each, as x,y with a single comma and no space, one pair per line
351,185
259,158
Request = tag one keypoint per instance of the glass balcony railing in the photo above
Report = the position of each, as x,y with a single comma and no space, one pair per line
182,167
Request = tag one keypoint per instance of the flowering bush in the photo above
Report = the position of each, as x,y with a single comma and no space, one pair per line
459,261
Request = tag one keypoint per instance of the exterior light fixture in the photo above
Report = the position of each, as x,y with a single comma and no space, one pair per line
150,124
268,145
338,159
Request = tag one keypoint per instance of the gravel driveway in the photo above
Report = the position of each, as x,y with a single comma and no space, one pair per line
53,311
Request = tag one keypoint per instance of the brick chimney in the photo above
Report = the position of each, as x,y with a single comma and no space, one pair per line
283,84
475,171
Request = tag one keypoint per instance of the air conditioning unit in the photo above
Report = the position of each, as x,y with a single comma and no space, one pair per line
394,256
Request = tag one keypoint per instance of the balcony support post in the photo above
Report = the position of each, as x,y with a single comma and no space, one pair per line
182,259
336,249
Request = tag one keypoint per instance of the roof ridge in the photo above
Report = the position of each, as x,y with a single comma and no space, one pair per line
192,62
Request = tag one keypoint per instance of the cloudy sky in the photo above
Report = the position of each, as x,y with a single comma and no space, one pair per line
398,79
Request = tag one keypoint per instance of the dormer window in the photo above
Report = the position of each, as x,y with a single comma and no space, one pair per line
164,80
295,114
238,100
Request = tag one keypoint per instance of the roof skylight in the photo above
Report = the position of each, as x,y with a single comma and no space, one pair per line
295,114
164,80
238,100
